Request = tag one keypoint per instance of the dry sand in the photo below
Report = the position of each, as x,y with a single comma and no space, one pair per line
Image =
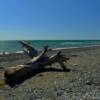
82,83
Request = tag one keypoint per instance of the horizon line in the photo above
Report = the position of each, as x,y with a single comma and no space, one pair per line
44,39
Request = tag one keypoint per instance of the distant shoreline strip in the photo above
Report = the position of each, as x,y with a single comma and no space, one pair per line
92,46
55,49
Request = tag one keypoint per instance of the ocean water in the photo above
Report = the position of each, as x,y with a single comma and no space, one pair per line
12,46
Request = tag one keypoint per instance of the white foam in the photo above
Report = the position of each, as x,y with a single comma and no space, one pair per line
76,47
8,53
19,52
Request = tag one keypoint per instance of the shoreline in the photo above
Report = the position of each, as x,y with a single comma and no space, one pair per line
69,49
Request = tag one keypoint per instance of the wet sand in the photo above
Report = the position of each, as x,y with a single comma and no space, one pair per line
82,83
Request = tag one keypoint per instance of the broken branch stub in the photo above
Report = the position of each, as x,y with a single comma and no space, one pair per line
29,49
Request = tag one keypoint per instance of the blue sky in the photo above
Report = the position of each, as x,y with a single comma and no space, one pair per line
49,19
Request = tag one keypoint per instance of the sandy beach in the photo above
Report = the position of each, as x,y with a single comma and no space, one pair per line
81,83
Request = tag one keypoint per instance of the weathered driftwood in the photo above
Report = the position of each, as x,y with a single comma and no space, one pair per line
29,49
36,63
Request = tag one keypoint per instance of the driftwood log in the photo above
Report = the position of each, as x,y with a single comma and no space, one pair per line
37,62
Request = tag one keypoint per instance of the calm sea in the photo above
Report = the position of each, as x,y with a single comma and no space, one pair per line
16,46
